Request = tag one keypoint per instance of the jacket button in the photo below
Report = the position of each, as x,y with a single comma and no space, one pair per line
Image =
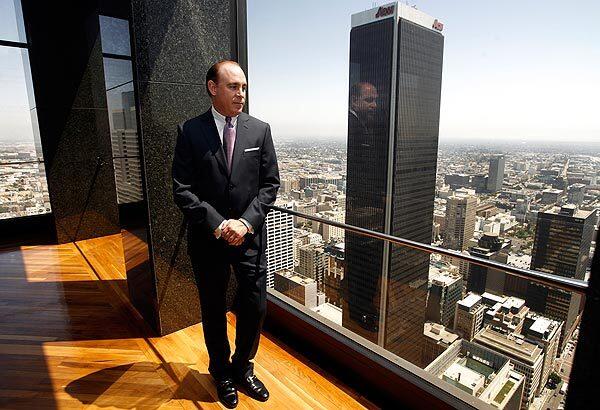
230,187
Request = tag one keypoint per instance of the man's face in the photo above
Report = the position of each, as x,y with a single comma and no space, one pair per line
365,104
229,91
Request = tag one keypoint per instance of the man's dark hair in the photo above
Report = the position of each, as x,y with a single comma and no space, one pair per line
357,89
213,72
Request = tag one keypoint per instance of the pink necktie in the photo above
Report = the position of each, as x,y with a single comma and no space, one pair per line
229,141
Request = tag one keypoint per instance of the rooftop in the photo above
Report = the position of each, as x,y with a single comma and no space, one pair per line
510,344
439,333
470,300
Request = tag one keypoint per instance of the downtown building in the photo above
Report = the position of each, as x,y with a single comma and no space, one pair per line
527,357
482,279
481,372
496,173
393,123
468,317
460,221
280,242
444,291
561,246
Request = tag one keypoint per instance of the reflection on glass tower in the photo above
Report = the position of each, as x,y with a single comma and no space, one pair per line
126,150
393,119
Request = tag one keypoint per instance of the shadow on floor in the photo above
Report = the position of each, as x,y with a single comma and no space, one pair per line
96,387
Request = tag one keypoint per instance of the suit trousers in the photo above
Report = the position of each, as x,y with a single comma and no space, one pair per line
212,267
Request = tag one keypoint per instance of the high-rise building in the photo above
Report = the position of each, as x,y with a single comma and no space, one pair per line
445,290
460,221
312,260
330,232
335,267
496,173
481,279
562,247
468,319
576,194
393,124
280,242
546,334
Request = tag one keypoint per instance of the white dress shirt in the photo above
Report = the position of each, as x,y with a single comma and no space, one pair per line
220,122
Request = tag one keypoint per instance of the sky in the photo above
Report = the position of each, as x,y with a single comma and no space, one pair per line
515,70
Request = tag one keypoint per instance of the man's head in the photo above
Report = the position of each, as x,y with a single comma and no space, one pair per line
363,99
226,86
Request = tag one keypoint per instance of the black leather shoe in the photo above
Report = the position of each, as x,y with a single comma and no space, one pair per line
227,392
253,387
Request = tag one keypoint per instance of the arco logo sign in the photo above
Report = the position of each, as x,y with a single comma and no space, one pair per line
385,11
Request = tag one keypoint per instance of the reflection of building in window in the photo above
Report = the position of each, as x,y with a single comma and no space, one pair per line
333,276
125,148
120,98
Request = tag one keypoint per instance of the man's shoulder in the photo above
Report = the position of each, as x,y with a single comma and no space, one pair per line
195,122
253,120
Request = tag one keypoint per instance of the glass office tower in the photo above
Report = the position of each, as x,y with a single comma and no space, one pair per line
393,122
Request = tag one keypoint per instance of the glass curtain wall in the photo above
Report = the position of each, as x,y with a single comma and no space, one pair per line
23,185
409,122
120,96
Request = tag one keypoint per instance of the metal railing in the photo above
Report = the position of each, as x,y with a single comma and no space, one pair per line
560,282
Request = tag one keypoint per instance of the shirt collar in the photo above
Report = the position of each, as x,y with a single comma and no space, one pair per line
221,118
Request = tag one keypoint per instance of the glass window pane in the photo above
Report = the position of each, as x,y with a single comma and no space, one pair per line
11,21
123,129
23,189
18,117
115,36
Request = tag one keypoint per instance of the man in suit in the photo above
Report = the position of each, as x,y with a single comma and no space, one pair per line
225,175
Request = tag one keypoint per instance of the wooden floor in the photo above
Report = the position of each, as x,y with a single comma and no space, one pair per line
69,338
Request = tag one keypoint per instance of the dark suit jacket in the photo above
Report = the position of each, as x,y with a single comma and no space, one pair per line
205,192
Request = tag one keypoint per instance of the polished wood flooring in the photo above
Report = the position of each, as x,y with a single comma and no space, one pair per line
69,338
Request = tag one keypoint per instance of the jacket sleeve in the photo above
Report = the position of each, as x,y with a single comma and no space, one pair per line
269,184
194,209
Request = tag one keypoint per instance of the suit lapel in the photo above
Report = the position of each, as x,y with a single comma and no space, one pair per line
212,137
241,138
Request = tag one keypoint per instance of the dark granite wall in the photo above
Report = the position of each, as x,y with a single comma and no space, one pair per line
175,42
68,77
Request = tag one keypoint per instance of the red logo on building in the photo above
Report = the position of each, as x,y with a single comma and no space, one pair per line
385,11
438,25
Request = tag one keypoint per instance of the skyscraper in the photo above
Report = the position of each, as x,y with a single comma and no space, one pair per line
482,279
445,290
312,263
562,247
280,242
393,123
468,317
460,221
496,173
